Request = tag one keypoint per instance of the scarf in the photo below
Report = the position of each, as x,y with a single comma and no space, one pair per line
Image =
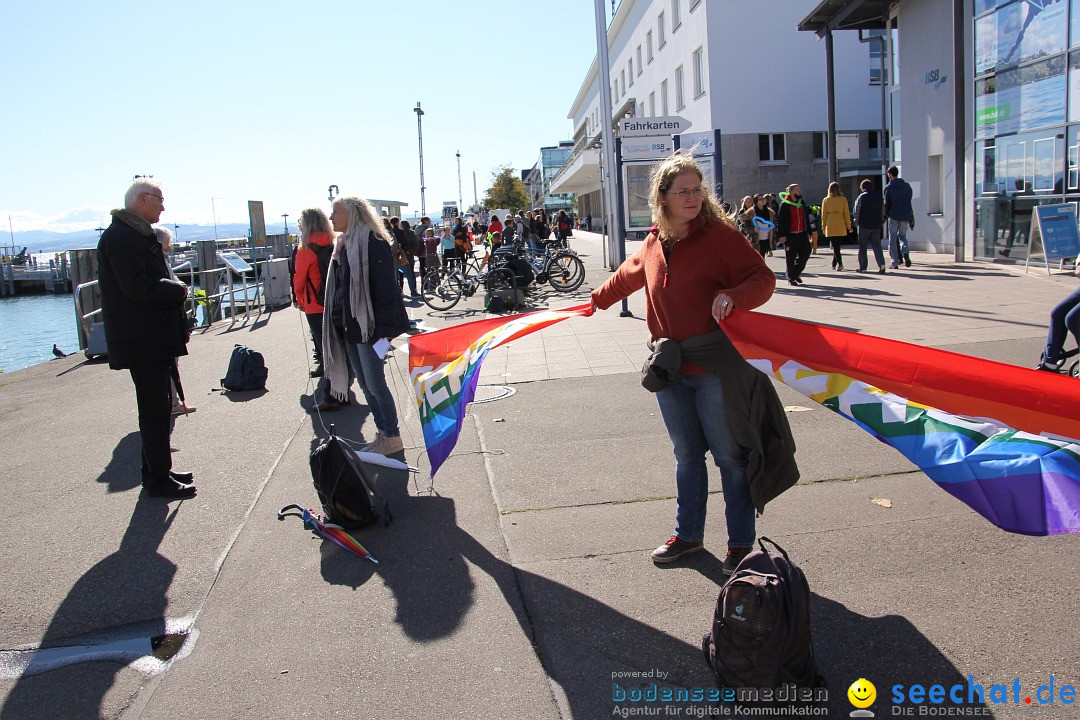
335,360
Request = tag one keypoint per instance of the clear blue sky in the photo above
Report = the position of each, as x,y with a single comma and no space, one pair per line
275,100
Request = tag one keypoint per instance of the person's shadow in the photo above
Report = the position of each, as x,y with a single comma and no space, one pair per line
125,466
124,596
582,642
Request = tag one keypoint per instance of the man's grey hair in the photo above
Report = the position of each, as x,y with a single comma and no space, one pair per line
142,185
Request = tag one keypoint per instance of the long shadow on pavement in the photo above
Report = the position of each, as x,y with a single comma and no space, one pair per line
125,594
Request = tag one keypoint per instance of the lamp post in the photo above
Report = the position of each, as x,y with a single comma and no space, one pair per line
213,203
176,231
286,216
460,203
420,137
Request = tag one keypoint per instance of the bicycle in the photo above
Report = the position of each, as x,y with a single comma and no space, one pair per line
1059,366
443,288
560,268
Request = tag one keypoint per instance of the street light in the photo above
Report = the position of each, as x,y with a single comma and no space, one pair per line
420,136
460,204
286,216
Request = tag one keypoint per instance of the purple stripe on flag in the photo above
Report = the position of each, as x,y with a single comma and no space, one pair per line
1029,504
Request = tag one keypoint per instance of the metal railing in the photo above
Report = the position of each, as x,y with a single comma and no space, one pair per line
210,302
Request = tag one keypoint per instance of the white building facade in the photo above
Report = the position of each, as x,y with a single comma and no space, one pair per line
740,66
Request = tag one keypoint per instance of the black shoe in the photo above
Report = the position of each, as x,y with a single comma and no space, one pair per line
1004,253
184,478
317,372
733,558
907,260
793,283
798,281
860,270
840,267
326,406
171,489
881,270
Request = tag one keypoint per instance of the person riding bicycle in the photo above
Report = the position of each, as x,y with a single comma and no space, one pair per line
1064,318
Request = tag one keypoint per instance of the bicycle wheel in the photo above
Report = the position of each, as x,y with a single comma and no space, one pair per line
566,272
441,289
1074,371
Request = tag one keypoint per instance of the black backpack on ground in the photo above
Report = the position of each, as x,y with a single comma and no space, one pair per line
344,485
761,626
323,253
247,370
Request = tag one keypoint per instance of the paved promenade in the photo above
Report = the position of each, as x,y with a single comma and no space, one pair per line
520,587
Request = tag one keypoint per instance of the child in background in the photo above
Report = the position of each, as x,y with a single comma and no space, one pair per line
448,248
429,260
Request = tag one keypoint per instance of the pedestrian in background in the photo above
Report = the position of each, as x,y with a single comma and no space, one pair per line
764,233
410,247
793,228
897,197
142,306
836,222
696,269
362,292
868,210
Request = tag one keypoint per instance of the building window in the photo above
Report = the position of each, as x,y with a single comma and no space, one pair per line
694,4
622,74
652,104
680,102
648,45
630,70
772,147
821,146
660,36
663,99
873,144
676,15
638,59
877,57
640,109
699,72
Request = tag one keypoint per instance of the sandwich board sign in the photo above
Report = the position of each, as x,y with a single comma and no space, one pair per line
1057,234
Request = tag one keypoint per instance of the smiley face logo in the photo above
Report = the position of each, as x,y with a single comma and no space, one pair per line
862,693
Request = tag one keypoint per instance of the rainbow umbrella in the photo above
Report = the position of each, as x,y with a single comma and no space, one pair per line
319,525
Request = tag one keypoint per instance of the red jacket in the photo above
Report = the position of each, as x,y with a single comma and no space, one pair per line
679,293
307,269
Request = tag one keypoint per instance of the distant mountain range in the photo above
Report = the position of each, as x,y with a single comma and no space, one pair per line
44,241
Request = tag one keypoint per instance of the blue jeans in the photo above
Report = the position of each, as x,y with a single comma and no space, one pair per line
897,241
1064,318
693,411
370,372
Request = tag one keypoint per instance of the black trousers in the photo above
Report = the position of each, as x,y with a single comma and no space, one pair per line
796,254
155,407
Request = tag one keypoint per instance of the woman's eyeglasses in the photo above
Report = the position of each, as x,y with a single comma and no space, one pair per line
691,193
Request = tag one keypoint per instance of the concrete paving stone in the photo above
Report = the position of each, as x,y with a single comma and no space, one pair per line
569,372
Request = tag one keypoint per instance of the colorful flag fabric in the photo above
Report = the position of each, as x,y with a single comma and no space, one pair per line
445,367
1001,438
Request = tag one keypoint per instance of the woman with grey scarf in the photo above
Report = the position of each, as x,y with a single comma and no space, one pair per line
363,305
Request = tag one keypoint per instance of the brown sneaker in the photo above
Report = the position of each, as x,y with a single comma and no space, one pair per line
674,549
734,557
386,445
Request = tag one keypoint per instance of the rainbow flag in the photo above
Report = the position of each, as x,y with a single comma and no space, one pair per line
445,367
1000,438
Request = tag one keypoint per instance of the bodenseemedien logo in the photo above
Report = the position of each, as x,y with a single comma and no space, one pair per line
862,694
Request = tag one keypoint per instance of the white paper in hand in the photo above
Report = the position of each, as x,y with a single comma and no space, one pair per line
381,347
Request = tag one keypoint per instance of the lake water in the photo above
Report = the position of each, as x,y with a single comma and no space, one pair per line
30,324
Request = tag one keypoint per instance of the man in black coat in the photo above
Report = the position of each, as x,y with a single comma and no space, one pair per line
145,327
793,227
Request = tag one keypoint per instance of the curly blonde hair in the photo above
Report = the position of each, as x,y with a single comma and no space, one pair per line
663,175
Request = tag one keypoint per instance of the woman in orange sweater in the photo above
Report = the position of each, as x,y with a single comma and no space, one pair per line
696,268
309,279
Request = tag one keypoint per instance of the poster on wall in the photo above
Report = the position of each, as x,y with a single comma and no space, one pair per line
1020,32
636,186
1021,99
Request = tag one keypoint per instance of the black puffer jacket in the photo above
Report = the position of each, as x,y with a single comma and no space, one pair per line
143,307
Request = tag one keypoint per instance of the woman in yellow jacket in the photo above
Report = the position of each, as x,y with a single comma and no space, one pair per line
836,221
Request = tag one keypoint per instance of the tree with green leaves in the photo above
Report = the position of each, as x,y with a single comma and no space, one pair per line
506,191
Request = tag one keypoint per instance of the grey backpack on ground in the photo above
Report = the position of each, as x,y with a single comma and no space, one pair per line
760,633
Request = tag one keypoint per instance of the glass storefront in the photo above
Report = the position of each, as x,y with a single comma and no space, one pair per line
1026,89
